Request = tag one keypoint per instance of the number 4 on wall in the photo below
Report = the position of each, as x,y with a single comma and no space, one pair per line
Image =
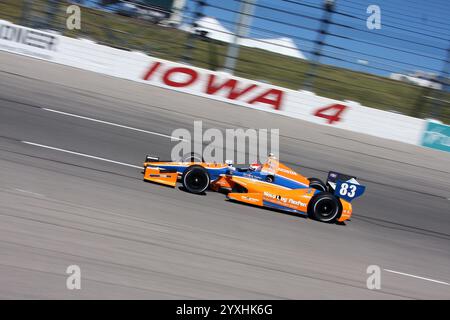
331,113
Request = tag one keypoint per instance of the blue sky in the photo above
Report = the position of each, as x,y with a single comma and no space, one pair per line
421,45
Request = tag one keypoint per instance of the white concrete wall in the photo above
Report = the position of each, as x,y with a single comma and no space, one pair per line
135,66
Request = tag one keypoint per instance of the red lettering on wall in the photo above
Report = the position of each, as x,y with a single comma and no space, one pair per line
233,89
193,75
230,85
334,115
152,70
272,97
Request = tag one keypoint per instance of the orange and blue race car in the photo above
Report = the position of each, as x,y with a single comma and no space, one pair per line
271,185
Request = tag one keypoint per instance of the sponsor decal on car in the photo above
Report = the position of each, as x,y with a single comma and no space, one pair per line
286,201
250,199
293,173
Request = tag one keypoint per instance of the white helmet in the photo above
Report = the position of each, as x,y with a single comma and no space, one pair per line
254,167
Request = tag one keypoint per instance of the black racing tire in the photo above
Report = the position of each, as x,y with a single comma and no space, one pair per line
192,157
195,179
324,207
318,184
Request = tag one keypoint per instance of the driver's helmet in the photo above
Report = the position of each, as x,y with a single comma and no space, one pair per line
255,167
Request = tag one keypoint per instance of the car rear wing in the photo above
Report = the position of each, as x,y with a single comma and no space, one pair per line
345,186
149,158
334,177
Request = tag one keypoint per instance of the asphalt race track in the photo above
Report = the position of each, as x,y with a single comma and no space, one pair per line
139,240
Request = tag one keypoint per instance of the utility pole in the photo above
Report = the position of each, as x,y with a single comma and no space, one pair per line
242,27
320,41
198,13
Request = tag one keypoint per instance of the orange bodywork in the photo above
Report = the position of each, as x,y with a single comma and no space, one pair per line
275,167
264,194
155,175
208,165
153,172
223,182
259,193
346,210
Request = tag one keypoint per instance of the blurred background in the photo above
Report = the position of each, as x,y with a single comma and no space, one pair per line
322,46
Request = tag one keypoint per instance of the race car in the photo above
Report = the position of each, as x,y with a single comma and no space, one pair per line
272,185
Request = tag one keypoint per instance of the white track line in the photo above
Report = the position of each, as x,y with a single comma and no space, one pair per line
29,192
417,277
112,124
81,154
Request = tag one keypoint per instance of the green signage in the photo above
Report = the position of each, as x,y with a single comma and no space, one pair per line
436,136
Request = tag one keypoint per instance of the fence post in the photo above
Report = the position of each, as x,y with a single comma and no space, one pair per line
26,8
242,27
328,7
189,46
51,14
436,102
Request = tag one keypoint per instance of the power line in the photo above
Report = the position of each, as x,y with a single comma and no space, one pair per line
399,25
288,12
384,10
344,13
392,37
443,6
358,52
271,31
324,55
345,37
304,4
384,46
382,35
265,18
379,57
396,68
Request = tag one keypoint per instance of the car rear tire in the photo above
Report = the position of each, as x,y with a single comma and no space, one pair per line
318,184
324,207
195,179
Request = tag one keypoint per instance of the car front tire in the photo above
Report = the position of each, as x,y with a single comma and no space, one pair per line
195,179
